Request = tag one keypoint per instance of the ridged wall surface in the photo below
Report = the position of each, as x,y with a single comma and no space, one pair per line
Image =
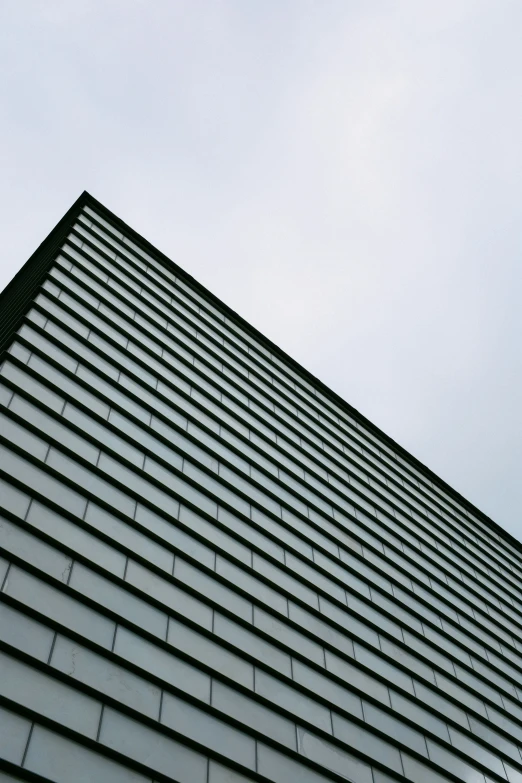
212,572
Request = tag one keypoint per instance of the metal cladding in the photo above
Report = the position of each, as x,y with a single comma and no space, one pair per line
214,570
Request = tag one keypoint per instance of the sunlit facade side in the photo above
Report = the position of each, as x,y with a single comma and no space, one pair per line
212,569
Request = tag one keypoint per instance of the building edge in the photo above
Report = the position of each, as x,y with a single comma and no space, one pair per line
16,298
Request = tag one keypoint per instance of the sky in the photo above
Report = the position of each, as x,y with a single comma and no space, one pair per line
344,174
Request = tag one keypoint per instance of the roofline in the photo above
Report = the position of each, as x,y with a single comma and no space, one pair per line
18,294
24,284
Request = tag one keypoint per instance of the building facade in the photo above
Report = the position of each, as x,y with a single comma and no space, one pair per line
214,570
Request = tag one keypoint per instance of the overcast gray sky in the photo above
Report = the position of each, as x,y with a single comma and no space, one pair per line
345,174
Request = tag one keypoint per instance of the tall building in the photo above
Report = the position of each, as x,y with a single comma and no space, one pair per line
213,569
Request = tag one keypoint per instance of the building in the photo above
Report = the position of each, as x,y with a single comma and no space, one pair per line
214,570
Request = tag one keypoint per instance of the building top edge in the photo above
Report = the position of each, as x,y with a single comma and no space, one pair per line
87,199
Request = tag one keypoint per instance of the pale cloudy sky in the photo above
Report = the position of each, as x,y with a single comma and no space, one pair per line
346,174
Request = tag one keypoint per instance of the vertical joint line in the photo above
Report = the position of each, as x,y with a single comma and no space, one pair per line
100,723
27,744
4,581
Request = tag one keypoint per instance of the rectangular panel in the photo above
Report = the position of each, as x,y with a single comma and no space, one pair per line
288,636
293,700
251,713
210,653
162,664
211,588
14,735
58,606
118,600
252,644
209,730
155,750
76,538
128,536
62,760
86,666
24,633
20,543
49,697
